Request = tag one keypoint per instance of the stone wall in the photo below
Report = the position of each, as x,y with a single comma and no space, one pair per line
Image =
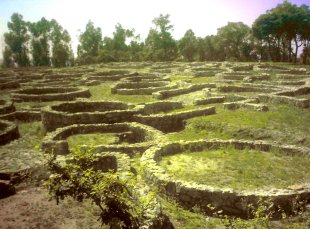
8,132
295,92
22,115
230,201
144,91
251,104
138,85
161,106
172,122
49,94
174,92
302,103
83,112
232,88
6,107
144,137
210,100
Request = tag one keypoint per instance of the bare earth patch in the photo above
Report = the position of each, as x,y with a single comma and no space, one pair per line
31,208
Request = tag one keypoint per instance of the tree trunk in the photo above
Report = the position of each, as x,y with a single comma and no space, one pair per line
296,50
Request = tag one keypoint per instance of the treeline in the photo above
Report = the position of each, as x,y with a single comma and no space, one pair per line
280,34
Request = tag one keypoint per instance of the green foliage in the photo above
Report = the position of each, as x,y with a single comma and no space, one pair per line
188,45
62,54
16,40
40,42
233,40
282,30
90,42
159,44
114,194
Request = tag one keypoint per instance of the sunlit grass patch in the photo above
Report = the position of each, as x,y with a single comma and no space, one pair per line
103,92
289,122
238,169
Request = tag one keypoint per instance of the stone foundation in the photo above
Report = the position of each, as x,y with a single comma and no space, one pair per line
210,100
84,112
6,107
45,94
250,104
8,132
142,138
231,202
180,91
172,122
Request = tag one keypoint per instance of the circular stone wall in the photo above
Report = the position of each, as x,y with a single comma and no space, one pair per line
141,137
104,161
6,107
45,94
230,201
85,112
8,132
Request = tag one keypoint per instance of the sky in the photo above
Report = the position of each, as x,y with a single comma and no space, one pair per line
204,17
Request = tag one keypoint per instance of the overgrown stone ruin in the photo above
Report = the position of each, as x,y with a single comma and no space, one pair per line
68,109
8,132
231,202
49,94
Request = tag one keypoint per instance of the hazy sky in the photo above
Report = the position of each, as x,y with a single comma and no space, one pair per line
202,16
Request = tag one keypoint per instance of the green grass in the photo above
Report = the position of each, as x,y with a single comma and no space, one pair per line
103,92
31,133
76,141
282,123
239,169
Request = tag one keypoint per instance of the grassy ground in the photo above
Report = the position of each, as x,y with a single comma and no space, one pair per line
284,124
241,170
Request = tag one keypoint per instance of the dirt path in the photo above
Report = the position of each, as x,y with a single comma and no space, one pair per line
31,208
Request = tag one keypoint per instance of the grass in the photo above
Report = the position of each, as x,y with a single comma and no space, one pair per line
282,123
103,92
239,169
31,134
75,141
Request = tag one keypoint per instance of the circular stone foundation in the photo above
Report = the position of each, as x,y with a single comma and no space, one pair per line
104,161
133,137
85,112
6,107
8,132
45,94
230,201
140,88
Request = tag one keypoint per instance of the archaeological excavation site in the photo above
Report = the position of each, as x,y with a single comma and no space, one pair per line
220,141
155,114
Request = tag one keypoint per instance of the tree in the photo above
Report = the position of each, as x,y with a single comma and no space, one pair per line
90,41
62,54
188,45
283,29
232,39
117,45
40,42
16,40
159,45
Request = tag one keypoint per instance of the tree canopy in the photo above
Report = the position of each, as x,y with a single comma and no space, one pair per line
280,34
